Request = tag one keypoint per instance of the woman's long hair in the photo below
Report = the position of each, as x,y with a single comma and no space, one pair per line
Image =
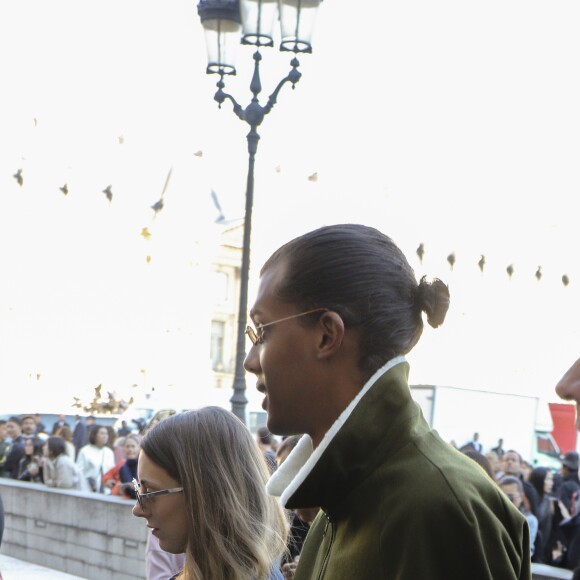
236,531
537,478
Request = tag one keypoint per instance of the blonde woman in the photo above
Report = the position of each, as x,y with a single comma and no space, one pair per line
202,491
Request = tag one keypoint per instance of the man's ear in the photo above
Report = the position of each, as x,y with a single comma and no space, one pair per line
331,328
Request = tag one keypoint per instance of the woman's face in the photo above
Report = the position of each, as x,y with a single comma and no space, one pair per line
166,515
102,437
131,448
548,482
28,447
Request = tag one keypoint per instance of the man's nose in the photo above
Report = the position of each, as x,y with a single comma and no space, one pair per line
568,386
252,360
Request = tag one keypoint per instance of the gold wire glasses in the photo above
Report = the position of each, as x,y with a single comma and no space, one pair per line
256,335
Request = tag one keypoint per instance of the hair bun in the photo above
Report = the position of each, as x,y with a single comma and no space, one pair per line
433,299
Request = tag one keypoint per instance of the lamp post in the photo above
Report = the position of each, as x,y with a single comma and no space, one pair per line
225,23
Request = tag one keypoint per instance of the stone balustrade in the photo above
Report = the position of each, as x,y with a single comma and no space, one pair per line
89,535
93,536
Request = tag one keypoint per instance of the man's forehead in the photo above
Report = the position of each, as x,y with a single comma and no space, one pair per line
269,283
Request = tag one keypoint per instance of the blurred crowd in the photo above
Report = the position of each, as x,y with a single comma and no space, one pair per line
548,498
84,456
96,458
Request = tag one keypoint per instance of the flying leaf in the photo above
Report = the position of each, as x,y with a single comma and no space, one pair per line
481,262
421,252
18,177
451,260
157,206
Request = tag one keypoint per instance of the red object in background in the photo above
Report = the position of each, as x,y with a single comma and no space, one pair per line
564,420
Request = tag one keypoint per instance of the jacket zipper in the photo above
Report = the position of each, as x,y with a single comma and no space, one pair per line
330,523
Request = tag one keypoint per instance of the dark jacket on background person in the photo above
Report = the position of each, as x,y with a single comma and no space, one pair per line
1,520
80,436
15,454
568,491
397,502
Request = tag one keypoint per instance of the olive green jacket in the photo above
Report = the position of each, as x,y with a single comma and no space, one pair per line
397,501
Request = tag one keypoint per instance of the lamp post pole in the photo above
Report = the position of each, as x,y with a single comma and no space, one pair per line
253,114
222,21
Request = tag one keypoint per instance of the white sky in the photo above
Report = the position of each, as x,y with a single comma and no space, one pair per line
455,124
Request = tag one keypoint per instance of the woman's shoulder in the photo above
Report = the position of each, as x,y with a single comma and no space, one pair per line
275,574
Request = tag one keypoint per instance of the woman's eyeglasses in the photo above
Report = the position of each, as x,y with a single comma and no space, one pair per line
257,337
143,497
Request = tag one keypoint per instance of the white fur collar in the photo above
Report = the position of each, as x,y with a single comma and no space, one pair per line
298,465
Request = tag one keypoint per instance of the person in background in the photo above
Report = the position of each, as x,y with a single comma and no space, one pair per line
475,443
202,491
80,434
542,479
59,468
569,487
514,490
512,465
30,465
96,458
120,478
482,461
112,437
58,424
337,310
495,464
568,388
1,525
123,430
4,446
16,450
28,427
119,449
1,520
265,442
40,426
498,449
67,435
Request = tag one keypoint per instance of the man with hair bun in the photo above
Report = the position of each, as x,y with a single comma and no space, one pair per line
337,310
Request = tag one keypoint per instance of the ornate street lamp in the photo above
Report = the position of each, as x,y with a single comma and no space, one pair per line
226,23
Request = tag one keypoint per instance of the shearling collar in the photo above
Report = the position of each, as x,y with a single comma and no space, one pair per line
382,415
